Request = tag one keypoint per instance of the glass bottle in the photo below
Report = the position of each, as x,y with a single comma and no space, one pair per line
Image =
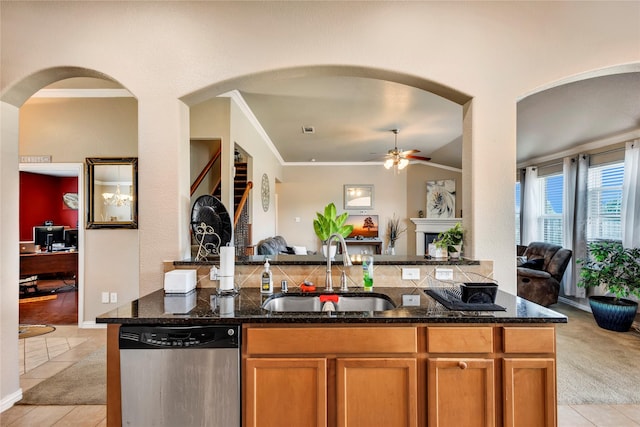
367,271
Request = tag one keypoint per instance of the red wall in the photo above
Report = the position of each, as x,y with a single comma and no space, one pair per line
41,200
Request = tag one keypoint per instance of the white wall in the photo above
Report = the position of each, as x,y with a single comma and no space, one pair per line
263,161
163,51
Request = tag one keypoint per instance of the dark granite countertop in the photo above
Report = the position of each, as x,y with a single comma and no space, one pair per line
205,306
282,259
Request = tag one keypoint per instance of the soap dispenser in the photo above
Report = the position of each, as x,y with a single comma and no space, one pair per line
266,286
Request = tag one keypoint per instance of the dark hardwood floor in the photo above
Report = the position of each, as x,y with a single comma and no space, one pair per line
55,303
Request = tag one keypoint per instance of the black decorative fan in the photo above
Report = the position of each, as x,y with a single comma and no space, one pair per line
211,225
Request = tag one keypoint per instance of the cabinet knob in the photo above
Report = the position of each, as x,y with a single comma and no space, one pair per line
462,365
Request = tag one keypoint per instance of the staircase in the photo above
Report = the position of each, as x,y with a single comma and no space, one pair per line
239,185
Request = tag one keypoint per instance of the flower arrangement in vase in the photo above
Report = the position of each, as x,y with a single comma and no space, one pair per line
393,233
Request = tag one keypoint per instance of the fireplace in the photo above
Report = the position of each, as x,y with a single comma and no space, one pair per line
427,229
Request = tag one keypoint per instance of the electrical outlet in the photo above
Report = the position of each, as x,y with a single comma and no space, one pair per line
410,274
105,297
444,273
113,298
411,300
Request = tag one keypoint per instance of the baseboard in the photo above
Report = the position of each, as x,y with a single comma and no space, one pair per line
574,303
10,400
91,324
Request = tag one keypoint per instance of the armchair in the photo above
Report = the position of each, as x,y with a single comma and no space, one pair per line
539,277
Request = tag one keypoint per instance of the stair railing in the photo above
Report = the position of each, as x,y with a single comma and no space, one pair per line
204,172
243,201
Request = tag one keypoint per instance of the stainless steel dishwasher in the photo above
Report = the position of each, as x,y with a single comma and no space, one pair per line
180,376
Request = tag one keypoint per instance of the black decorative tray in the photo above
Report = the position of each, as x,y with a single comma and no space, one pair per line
451,298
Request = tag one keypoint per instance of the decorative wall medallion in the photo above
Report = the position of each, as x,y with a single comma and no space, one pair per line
265,192
70,200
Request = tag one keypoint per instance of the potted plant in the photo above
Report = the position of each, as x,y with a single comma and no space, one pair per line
328,223
393,233
450,241
617,269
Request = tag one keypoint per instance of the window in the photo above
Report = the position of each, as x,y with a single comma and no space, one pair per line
551,216
604,200
518,192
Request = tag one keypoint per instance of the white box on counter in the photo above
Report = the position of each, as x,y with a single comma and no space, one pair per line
180,281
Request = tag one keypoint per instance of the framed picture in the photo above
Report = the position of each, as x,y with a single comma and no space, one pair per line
365,226
441,199
358,196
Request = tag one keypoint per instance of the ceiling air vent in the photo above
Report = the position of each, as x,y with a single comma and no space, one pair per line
308,129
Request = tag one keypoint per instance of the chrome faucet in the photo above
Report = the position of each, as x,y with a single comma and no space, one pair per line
346,260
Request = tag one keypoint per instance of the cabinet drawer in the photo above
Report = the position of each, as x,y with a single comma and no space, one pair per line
325,340
460,339
529,340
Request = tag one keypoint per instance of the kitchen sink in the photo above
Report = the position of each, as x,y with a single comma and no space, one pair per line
328,302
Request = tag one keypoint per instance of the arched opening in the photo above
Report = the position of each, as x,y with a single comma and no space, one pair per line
65,129
359,139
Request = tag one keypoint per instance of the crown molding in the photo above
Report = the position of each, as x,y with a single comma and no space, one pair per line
236,97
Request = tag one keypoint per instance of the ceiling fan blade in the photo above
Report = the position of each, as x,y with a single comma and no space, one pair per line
406,153
425,159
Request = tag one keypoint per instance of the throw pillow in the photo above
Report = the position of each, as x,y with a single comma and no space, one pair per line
534,264
300,250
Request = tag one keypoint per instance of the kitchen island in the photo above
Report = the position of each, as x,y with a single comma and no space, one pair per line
418,364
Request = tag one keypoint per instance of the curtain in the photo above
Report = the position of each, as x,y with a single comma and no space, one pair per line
570,174
530,206
576,175
631,196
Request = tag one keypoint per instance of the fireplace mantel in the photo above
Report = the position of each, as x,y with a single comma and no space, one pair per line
431,225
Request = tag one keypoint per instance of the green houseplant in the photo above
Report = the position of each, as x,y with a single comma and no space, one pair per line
451,240
330,222
617,269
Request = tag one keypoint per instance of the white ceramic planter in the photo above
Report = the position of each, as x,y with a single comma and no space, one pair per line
333,251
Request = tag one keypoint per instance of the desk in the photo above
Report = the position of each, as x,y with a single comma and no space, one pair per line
376,243
49,262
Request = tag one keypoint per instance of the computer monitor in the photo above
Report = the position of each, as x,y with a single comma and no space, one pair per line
71,237
41,235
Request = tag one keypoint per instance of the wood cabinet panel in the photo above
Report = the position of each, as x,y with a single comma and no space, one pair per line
323,340
529,392
455,339
529,339
285,391
461,392
377,392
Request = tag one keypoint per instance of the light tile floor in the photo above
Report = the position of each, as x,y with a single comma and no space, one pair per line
46,355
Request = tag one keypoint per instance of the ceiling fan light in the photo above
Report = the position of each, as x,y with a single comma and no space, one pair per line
388,163
403,163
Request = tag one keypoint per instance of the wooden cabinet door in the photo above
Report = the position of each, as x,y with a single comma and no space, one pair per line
529,392
285,391
377,392
461,392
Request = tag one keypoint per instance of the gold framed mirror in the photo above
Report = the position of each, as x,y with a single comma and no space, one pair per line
112,200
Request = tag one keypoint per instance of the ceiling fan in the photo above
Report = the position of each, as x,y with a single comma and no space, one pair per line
399,159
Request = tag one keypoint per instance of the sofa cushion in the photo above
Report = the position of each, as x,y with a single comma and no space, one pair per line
534,264
300,250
